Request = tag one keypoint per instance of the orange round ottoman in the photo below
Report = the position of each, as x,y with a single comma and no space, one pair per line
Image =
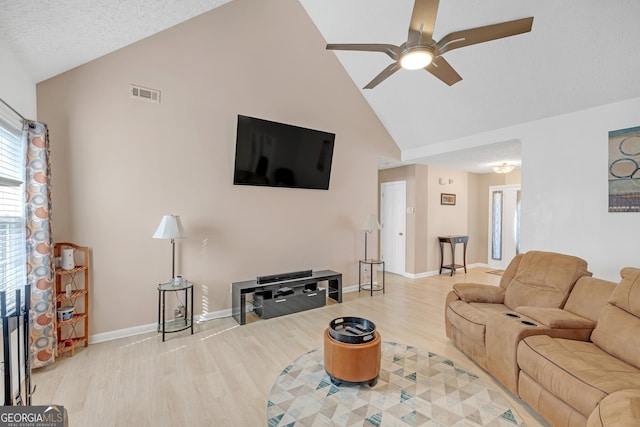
354,363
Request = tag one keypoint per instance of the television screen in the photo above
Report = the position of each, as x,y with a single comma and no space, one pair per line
280,155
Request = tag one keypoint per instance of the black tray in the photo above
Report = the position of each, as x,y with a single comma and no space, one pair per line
352,330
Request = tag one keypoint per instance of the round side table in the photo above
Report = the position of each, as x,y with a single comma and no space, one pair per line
370,286
178,324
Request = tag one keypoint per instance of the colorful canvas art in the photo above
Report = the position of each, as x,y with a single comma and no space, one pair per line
624,170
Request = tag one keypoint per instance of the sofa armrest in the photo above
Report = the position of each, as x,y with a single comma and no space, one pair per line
619,409
475,292
556,318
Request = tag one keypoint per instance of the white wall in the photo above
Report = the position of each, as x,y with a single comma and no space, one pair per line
565,190
17,88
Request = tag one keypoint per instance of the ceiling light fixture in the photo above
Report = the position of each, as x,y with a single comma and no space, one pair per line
503,168
416,58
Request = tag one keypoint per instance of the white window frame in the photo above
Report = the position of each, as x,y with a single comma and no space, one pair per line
12,208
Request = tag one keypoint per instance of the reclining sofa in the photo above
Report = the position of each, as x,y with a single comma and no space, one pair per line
566,343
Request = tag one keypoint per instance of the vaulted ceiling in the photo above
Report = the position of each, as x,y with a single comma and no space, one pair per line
579,54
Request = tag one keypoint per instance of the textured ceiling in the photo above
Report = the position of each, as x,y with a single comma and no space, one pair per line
51,37
580,54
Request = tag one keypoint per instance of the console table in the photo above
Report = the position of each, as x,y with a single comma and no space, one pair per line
453,240
239,291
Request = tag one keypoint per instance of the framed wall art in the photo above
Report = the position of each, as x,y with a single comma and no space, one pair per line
447,199
624,172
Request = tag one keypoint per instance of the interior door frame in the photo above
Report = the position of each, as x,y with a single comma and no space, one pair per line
384,251
502,263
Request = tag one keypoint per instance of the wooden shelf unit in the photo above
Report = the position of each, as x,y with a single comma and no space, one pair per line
76,328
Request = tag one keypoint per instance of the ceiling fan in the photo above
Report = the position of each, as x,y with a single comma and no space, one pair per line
421,51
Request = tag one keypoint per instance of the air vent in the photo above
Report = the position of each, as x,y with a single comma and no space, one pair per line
144,93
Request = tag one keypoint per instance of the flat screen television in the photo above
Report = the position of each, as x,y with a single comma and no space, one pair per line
280,155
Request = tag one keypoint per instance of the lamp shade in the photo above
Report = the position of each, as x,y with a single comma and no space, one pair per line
170,228
370,223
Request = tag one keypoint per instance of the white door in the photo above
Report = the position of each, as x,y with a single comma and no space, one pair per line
393,208
504,225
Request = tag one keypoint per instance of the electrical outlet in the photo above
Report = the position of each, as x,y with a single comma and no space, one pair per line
180,312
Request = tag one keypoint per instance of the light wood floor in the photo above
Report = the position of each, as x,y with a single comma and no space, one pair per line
222,375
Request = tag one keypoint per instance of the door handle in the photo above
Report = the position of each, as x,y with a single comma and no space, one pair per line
400,234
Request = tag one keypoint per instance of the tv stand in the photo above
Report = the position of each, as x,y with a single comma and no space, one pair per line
274,300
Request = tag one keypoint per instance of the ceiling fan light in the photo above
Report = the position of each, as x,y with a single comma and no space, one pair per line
416,59
503,168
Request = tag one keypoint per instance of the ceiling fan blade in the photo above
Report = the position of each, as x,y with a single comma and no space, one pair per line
391,50
463,38
383,75
422,21
444,71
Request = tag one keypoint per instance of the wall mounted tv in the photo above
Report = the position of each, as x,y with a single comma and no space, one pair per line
280,155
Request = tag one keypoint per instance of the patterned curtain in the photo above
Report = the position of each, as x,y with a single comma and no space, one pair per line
40,244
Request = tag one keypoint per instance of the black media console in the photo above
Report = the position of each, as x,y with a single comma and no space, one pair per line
287,293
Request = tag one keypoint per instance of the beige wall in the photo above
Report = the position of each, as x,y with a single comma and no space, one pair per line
119,164
445,219
422,219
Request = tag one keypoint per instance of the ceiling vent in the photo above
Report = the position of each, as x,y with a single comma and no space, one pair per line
151,95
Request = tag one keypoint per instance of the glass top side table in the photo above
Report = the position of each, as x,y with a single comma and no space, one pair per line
179,323
370,286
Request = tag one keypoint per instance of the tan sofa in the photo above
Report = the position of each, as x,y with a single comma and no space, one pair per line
483,320
594,382
572,353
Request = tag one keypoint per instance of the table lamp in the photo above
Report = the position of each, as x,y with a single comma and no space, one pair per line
170,228
370,222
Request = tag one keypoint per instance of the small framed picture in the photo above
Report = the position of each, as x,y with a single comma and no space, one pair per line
447,199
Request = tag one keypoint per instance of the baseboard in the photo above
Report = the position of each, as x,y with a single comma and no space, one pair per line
352,288
478,265
420,275
436,272
122,333
151,327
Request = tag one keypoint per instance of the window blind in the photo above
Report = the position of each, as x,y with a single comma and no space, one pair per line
12,208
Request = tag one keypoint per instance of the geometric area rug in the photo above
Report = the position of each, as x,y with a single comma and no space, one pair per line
415,388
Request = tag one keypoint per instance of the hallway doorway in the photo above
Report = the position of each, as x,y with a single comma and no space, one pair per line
393,208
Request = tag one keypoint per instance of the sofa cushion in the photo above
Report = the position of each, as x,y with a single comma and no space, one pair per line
509,273
589,296
556,318
475,292
544,279
619,409
618,329
471,318
554,410
577,372
627,294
